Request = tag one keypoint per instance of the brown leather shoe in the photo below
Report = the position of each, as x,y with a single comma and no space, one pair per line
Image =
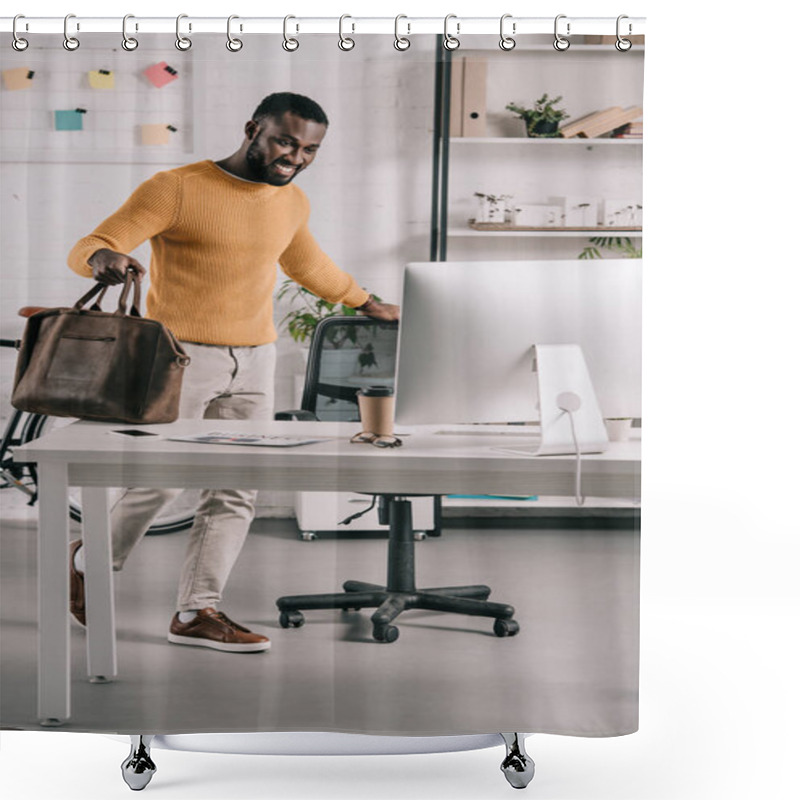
211,628
77,599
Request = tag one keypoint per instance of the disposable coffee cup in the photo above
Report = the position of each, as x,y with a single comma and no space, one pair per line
376,407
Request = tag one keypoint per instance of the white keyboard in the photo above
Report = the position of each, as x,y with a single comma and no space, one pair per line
491,430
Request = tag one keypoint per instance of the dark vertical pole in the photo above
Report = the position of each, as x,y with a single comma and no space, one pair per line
437,140
445,166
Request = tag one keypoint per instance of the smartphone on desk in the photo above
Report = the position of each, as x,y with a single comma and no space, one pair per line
133,433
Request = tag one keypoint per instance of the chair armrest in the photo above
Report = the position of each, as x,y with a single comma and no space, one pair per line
296,413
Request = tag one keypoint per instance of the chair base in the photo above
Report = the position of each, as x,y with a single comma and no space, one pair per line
357,595
400,593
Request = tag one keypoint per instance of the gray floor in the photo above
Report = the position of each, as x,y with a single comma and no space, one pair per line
573,668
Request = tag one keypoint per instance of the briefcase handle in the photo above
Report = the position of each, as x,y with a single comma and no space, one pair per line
132,278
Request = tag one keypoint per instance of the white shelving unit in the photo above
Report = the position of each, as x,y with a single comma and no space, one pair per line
537,171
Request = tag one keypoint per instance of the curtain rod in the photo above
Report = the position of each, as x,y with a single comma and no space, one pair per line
298,25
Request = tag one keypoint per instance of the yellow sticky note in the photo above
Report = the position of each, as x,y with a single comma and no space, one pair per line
101,79
155,134
17,78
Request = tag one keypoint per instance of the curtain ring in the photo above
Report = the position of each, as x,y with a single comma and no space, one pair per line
182,42
401,42
233,44
70,42
289,44
623,45
345,42
128,42
507,42
451,42
560,43
18,43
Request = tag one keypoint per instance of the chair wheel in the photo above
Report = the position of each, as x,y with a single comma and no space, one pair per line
292,619
420,536
308,536
506,627
385,633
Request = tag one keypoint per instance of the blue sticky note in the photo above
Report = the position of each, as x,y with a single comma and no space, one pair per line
70,120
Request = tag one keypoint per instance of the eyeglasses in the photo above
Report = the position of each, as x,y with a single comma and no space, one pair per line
377,441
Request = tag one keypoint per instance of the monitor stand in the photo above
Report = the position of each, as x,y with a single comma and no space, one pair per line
570,419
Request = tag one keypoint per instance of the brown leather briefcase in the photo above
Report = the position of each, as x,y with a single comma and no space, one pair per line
97,365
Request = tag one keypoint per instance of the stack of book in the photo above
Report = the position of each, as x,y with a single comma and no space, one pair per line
600,123
633,130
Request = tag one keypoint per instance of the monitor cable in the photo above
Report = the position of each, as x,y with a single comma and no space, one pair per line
569,402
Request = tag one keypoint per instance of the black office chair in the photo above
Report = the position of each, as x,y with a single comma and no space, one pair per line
346,354
330,393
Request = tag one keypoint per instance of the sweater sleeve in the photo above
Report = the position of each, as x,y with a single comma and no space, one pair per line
150,210
305,261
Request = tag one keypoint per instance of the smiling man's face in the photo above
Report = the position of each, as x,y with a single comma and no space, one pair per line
281,148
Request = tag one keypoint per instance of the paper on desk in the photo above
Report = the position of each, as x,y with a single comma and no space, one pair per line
254,439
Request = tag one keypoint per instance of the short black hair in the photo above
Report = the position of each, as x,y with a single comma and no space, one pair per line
277,104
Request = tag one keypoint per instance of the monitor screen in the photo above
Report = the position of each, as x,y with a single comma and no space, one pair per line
467,331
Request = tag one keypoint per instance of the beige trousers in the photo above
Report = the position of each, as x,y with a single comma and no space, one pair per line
220,383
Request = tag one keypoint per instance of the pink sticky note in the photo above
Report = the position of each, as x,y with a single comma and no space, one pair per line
161,74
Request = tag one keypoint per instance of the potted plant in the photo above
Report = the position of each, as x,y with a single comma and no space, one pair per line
619,245
543,119
493,207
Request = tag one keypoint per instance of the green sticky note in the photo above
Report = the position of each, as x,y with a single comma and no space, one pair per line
70,120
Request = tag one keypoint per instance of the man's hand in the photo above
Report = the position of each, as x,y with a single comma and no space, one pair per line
382,311
109,267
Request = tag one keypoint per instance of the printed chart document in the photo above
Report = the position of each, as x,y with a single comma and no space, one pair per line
253,439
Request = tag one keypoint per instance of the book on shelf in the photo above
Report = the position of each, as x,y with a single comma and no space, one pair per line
579,126
631,130
473,111
601,122
468,97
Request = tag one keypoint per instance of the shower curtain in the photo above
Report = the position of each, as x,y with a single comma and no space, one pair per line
83,131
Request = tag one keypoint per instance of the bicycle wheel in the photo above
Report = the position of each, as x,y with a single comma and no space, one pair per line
176,516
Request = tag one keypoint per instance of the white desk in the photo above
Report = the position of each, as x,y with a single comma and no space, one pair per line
85,455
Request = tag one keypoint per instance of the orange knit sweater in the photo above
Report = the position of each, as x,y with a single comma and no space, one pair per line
215,242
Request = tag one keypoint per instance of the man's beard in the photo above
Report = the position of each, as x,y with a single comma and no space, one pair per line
260,169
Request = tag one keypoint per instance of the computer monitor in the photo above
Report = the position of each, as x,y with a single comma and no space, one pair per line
468,329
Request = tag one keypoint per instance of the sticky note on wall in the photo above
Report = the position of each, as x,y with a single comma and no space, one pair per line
70,119
101,79
17,78
156,134
161,74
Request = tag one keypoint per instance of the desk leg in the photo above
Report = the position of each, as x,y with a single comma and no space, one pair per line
101,654
53,541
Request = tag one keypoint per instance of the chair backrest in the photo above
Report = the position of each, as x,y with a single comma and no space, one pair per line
347,354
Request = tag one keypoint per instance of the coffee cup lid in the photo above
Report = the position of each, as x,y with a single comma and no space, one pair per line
376,391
